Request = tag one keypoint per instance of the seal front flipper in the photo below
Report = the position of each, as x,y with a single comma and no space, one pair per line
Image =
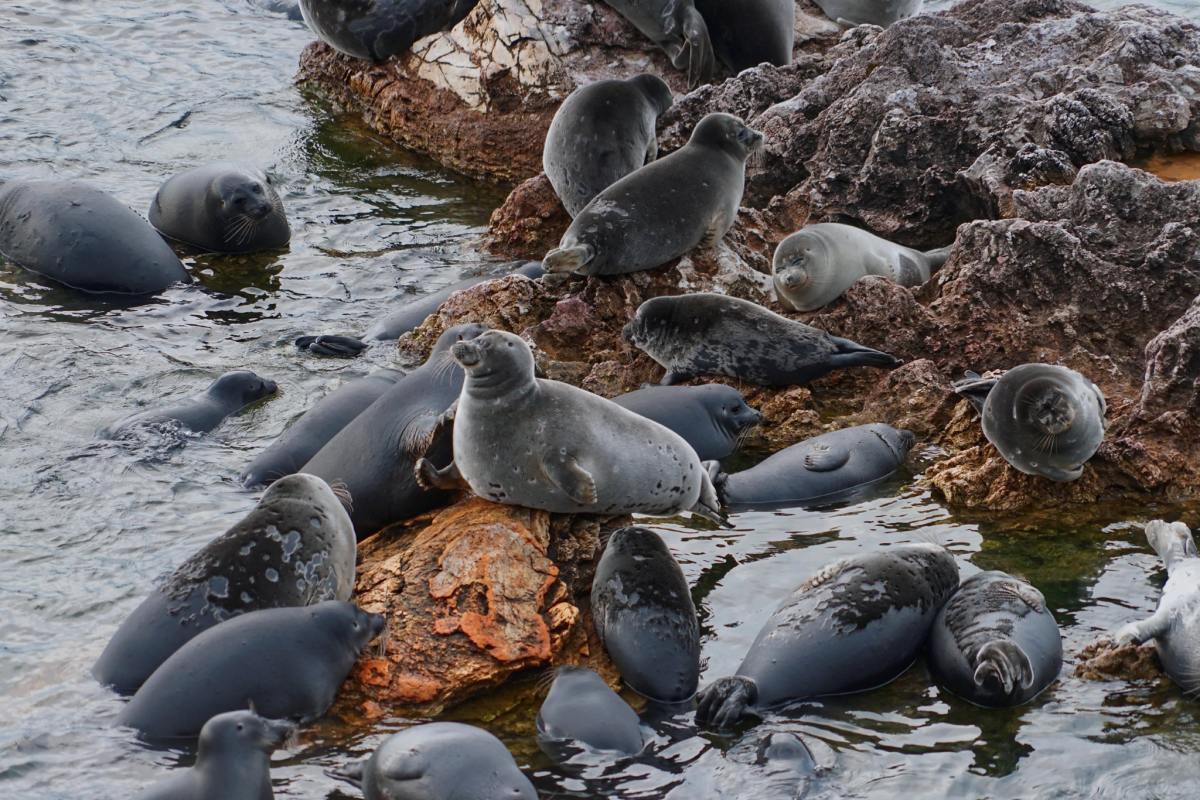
569,259
1152,627
853,354
725,701
673,377
1003,662
976,388
565,473
335,346
824,458
701,60
448,478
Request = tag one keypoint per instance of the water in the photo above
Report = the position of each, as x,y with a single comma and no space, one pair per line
125,93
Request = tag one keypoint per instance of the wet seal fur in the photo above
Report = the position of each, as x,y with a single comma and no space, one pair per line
678,28
869,12
711,418
662,211
526,441
855,625
201,413
221,208
581,708
643,612
376,30
287,662
295,548
713,334
995,643
746,33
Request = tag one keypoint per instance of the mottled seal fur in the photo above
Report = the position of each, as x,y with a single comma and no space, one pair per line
711,418
678,28
746,33
221,208
582,708
869,12
201,413
379,29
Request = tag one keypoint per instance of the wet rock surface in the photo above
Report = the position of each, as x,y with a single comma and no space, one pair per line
1105,660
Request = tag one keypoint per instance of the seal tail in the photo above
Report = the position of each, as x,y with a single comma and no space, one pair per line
568,259
1004,663
853,354
939,256
725,701
975,388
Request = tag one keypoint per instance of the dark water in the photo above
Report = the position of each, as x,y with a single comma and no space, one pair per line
125,93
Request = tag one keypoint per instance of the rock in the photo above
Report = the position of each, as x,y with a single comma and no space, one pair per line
530,223
1105,660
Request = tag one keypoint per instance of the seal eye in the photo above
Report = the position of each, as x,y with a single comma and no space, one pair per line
241,726
258,189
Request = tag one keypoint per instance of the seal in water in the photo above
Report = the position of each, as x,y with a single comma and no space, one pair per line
233,761
855,625
662,211
526,441
441,761
696,334
1175,625
817,264
678,28
287,662
83,238
229,393
602,132
869,12
711,418
643,613
824,469
581,708
379,29
295,548
746,33
375,453
995,643
221,208
1044,419
296,446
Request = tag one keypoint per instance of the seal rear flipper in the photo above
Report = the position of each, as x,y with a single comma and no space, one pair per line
725,701
350,773
569,259
575,481
1004,662
701,60
853,354
335,346
976,388
448,478
709,504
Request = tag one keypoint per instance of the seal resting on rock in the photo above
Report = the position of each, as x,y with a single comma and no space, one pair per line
79,236
228,394
526,441
296,547
376,30
698,334
582,708
662,211
221,208
746,33
855,625
711,418
869,12
995,643
678,28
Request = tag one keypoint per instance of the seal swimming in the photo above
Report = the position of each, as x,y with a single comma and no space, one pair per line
746,33
77,235
869,12
582,708
701,333
295,548
855,625
376,30
201,413
221,208
678,28
662,211
711,418
526,441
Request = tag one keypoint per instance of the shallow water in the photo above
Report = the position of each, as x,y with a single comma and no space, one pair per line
125,93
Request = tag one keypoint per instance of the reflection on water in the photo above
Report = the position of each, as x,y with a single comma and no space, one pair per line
1172,167
124,93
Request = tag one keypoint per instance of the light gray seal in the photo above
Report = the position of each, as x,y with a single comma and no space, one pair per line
746,33
1175,624
602,132
379,29
201,413
525,441
221,208
233,761
869,12
817,264
1044,419
296,548
713,334
664,210
712,418
581,708
678,28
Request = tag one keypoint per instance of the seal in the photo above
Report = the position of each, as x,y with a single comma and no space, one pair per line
711,418
221,208
662,211
678,28
233,761
376,30
746,33
869,12
526,441
375,453
703,333
1043,419
995,643
643,612
287,662
295,548
304,439
817,264
1175,624
440,761
602,132
824,469
581,708
855,625
201,413
77,235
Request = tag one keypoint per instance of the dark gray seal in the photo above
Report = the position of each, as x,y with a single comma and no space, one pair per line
221,208
824,469
678,28
296,446
701,334
602,132
995,643
643,612
662,211
375,453
711,418
581,708
287,662
296,547
83,238
855,625
228,394
379,29
233,761
746,33
869,12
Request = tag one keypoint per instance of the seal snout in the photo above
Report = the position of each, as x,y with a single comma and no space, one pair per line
277,731
750,138
467,353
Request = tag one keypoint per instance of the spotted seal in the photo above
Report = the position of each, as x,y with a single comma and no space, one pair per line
203,412
581,708
678,28
376,30
221,208
711,418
